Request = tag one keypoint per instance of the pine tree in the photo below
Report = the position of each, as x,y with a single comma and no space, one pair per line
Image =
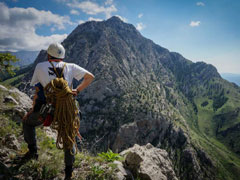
6,63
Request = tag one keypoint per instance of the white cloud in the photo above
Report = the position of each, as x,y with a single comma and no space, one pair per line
200,4
122,18
74,12
93,8
140,15
108,2
140,26
194,23
31,16
90,19
18,28
94,19
81,21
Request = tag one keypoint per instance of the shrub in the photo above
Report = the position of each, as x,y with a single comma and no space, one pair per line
97,173
109,156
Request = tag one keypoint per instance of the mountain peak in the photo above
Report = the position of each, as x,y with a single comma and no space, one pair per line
115,19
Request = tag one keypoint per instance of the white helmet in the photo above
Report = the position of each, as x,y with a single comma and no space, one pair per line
56,50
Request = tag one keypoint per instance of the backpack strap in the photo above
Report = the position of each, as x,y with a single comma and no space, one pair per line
55,70
63,69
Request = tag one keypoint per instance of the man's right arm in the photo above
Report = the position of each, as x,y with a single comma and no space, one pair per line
87,79
79,73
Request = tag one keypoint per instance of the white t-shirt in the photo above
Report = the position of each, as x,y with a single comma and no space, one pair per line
44,72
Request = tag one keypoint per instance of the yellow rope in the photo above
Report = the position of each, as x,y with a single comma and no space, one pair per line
66,120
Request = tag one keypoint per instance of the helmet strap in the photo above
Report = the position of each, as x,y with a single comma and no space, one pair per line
55,60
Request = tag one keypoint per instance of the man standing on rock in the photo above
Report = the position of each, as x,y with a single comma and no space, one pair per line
44,73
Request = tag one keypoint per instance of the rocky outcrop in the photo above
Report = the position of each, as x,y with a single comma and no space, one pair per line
14,102
10,141
142,131
122,174
148,163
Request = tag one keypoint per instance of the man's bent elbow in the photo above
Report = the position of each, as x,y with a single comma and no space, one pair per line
89,76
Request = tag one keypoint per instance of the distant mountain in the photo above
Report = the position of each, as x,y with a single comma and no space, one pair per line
143,93
235,78
26,57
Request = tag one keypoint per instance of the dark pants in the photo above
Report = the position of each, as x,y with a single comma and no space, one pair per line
30,138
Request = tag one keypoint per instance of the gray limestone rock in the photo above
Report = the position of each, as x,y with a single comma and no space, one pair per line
3,88
10,99
148,163
23,99
20,103
3,153
11,142
123,174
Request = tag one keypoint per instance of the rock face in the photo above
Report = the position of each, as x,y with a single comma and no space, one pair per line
14,102
148,163
144,93
11,142
130,133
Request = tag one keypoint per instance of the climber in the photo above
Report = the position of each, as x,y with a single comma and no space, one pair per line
45,73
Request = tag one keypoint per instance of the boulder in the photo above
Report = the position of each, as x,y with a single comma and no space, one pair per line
10,99
11,142
23,99
20,103
3,153
122,174
3,88
148,163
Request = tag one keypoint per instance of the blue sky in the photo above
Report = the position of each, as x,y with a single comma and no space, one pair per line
204,30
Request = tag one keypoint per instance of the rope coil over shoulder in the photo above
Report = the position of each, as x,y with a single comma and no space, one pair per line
66,120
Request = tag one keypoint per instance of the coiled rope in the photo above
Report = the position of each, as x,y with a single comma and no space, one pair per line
66,120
